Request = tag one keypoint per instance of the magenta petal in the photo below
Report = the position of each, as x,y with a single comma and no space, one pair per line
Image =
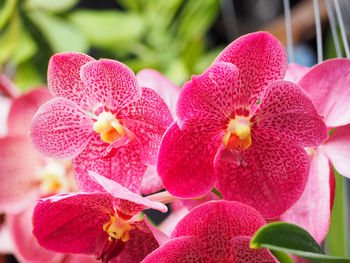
153,79
325,83
151,181
27,248
19,167
148,118
211,95
289,113
23,110
185,161
271,176
79,259
295,72
243,254
110,83
61,129
217,222
260,59
72,223
63,77
120,192
182,249
124,167
337,149
313,210
141,243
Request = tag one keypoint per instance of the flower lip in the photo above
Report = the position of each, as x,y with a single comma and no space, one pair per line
109,127
117,228
238,133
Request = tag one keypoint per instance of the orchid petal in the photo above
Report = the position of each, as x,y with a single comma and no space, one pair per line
23,110
153,79
181,154
61,129
110,84
325,83
270,175
124,167
211,95
295,72
337,148
313,210
141,243
260,59
72,223
151,181
27,248
243,254
148,118
182,249
63,77
217,222
120,192
19,167
289,113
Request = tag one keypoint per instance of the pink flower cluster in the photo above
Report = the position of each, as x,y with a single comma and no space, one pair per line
247,126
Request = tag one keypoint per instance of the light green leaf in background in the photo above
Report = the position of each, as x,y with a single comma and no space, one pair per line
109,29
290,238
26,48
16,43
6,11
27,77
60,34
55,6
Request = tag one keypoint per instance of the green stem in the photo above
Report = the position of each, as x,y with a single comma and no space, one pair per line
282,257
337,238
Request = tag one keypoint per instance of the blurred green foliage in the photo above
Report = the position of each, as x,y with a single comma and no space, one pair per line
167,35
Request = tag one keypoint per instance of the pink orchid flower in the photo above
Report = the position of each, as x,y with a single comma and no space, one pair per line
100,111
24,173
26,176
99,223
26,248
242,129
327,85
216,231
169,92
180,208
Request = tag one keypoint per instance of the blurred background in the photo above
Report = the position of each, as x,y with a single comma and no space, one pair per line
176,37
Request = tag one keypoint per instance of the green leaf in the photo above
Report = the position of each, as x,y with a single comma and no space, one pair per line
290,238
6,11
61,35
27,76
109,29
16,44
55,6
337,239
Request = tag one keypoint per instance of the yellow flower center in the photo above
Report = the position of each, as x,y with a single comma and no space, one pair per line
238,134
109,127
117,228
53,178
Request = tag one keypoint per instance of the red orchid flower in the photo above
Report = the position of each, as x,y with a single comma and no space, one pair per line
216,231
242,129
99,223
